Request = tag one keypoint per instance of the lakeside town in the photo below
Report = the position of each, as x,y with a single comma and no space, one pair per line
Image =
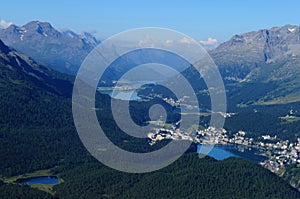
278,153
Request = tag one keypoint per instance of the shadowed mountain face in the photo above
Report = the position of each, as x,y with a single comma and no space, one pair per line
17,68
63,51
3,48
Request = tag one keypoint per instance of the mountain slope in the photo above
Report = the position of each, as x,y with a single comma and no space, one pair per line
16,67
63,51
36,129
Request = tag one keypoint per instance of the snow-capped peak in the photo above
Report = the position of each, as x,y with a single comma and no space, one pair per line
70,33
291,29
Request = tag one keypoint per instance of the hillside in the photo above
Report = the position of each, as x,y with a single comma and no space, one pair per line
35,123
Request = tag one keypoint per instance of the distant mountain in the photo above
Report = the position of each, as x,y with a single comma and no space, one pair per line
152,72
241,56
61,50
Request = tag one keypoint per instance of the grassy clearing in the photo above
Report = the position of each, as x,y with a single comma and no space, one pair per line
44,187
294,97
168,126
290,118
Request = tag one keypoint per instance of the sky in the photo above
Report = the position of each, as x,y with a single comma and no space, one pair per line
199,19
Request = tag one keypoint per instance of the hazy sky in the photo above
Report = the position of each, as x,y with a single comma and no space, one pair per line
196,18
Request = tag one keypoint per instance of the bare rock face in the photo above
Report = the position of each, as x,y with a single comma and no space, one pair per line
238,57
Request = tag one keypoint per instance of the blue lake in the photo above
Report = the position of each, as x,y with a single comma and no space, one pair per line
121,94
39,180
221,152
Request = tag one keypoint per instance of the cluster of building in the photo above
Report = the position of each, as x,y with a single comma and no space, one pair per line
174,102
279,153
162,133
210,135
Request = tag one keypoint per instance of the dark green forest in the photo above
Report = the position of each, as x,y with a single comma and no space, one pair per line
189,177
21,191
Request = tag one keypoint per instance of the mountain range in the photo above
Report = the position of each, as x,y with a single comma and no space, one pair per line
61,50
269,57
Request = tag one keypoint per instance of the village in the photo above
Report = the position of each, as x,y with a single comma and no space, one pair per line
279,153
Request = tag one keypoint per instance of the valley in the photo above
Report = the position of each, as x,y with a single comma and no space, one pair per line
38,136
